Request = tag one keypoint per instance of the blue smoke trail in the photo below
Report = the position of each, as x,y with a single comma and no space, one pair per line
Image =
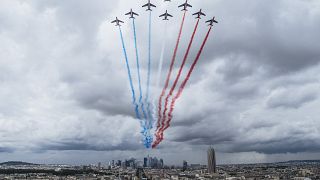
150,118
138,69
144,131
148,140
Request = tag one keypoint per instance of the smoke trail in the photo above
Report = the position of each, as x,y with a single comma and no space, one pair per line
169,75
130,77
147,142
138,68
164,40
181,88
179,73
161,63
134,102
150,119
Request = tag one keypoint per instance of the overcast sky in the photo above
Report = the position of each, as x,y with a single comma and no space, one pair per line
65,97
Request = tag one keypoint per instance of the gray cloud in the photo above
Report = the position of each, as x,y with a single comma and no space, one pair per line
268,33
83,146
6,149
63,84
293,99
280,146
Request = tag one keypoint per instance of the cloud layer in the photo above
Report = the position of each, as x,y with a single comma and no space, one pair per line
63,84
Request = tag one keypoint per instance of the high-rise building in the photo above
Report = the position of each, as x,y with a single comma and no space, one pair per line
149,161
212,161
185,166
154,162
161,163
145,162
119,163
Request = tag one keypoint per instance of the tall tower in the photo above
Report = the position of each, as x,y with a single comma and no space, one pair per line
145,162
212,161
184,166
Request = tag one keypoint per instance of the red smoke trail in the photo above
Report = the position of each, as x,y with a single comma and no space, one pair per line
168,76
181,88
178,75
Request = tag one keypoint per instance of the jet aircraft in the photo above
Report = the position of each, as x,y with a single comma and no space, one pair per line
211,21
199,14
166,15
149,5
117,21
185,6
132,14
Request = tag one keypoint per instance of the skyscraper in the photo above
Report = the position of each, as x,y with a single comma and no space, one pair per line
211,161
184,166
149,161
161,163
119,163
145,162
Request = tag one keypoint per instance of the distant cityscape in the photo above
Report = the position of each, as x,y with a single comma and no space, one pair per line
154,168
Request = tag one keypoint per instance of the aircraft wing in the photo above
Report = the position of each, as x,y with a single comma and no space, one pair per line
170,15
152,5
203,14
162,15
182,5
135,14
145,5
195,13
208,21
128,13
189,5
121,21
114,21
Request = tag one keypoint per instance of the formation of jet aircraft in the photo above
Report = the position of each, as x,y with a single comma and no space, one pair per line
165,16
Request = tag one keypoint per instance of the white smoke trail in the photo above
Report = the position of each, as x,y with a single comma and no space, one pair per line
162,56
159,73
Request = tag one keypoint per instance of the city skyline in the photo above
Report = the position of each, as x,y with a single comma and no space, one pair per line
304,170
254,95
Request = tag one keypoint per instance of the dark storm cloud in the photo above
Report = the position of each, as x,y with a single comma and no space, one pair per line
279,146
205,138
93,94
237,67
291,102
215,128
6,150
76,145
278,35
293,95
